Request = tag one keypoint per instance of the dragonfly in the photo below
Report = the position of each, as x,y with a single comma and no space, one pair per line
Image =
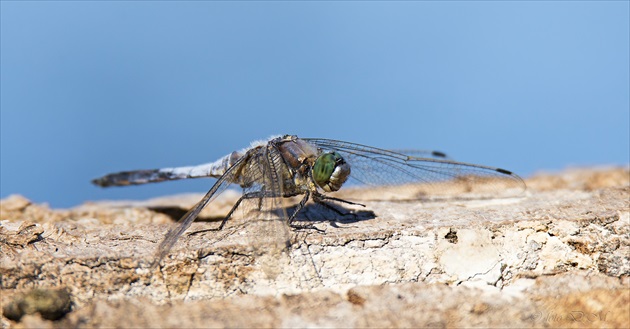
269,171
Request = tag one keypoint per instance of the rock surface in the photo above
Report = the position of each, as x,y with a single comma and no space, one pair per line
556,256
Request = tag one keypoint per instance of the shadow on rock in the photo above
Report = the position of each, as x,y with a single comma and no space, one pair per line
176,213
314,212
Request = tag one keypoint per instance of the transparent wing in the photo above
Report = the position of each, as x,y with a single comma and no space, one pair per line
260,172
264,175
230,176
379,167
422,153
261,177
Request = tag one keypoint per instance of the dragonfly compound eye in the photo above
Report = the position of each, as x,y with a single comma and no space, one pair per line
330,171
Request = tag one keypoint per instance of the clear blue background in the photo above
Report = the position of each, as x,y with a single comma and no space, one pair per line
89,88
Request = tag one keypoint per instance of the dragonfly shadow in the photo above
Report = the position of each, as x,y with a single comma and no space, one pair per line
176,213
314,212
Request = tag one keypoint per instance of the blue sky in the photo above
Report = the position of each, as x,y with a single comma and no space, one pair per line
89,88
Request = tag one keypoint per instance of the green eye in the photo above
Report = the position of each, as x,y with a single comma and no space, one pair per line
324,167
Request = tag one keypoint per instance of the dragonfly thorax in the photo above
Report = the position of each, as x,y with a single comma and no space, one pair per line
330,171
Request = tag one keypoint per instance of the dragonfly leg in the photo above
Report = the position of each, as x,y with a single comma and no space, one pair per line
260,204
298,208
251,195
339,212
321,199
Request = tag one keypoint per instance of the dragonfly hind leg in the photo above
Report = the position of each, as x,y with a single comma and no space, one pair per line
252,195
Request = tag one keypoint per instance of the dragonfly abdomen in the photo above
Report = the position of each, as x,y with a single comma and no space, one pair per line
136,177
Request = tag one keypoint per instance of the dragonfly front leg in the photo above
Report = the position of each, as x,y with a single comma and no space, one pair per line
299,207
321,199
297,210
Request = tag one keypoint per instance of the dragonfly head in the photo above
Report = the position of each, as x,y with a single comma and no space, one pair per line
330,171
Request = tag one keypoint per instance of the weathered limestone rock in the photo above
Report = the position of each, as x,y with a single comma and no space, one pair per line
556,256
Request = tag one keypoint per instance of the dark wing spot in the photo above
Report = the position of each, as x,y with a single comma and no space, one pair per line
438,154
503,171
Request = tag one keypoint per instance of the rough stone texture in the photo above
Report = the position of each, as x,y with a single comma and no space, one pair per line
556,256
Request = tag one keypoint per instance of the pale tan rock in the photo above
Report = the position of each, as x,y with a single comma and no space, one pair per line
556,256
